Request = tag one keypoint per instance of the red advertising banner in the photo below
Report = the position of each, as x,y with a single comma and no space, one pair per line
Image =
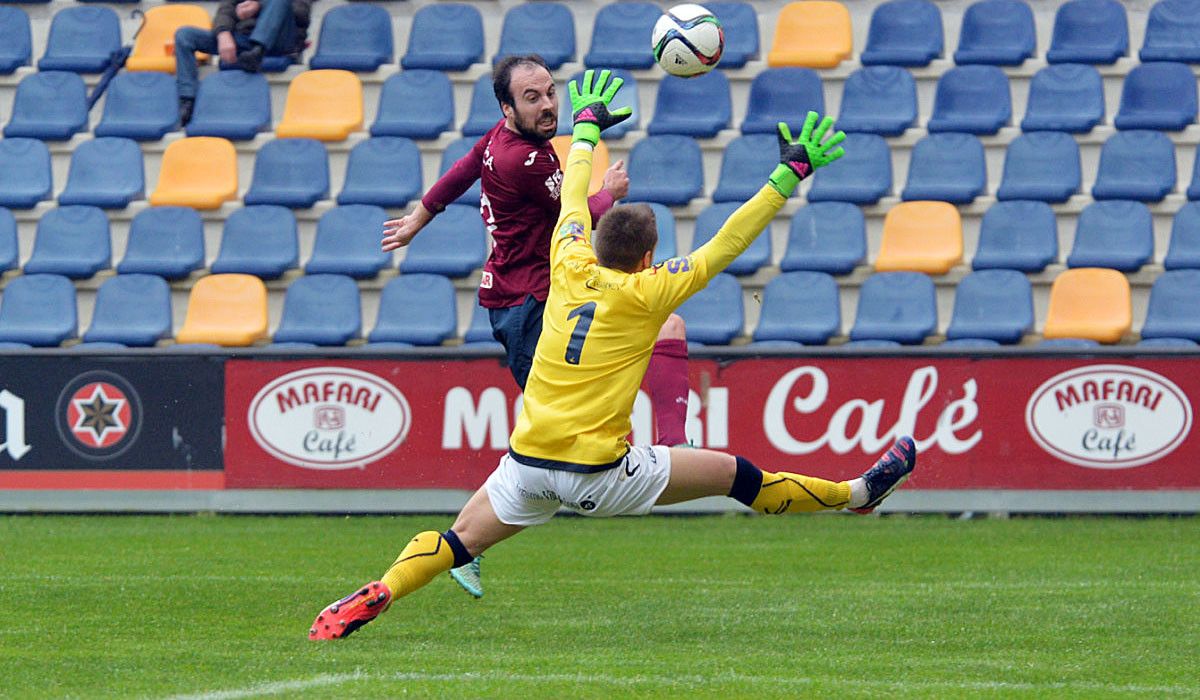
980,423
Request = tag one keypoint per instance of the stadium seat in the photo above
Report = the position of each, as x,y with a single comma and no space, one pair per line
73,241
782,95
1089,31
260,241
484,111
291,173
10,252
416,309
921,237
1018,235
164,241
82,39
445,36
139,106
1064,97
862,176
621,36
479,332
802,307
454,244
198,172
133,310
1171,312
896,306
544,28
457,149
105,172
154,47
826,237
24,173
878,100
1158,96
949,167
870,344
970,343
562,146
1068,343
710,221
971,99
655,155
1090,303
322,104
999,32
904,33
1172,32
1118,234
627,97
714,315
745,166
1181,343
699,107
1184,248
416,104
740,22
347,242
1041,165
320,309
228,310
38,310
992,304
50,105
16,40
355,37
382,170
1193,190
1136,165
812,34
231,104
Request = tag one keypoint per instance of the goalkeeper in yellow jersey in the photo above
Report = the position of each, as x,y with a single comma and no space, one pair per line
605,307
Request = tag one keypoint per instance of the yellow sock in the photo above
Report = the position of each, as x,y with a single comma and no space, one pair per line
426,556
783,492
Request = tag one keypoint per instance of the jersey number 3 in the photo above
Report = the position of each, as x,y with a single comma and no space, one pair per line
575,348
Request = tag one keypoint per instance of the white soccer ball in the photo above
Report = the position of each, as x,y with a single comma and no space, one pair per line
688,40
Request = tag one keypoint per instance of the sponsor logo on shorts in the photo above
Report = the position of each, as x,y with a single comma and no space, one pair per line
98,415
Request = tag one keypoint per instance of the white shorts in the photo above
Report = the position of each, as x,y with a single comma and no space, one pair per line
524,495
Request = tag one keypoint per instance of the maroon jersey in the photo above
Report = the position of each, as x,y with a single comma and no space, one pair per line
519,205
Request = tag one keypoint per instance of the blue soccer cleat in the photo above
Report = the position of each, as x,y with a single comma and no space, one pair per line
467,576
889,472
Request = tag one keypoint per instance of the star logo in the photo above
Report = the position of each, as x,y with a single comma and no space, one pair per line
99,414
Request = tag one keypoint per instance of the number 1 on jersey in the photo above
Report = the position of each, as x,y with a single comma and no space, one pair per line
585,313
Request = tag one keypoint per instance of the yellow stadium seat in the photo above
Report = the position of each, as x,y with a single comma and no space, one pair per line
813,34
198,172
322,104
921,237
1089,302
154,48
227,309
562,144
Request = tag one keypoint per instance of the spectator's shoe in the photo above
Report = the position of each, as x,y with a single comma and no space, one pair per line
889,472
186,105
467,576
342,618
251,59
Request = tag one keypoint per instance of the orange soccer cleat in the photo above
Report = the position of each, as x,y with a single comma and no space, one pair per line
345,616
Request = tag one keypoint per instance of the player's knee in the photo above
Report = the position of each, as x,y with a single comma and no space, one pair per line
673,328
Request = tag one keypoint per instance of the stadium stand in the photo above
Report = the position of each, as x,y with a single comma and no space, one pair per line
1137,165
745,164
1171,312
896,306
1068,343
862,176
10,252
1184,248
740,22
627,97
347,242
16,39
995,305
154,47
231,104
921,237
826,237
619,36
562,145
782,95
1041,165
1180,343
445,36
812,34
1089,303
484,111
38,310
416,104
971,99
50,105
228,310
1089,31
999,32
82,39
709,221
132,310
801,307
479,330
259,240
198,172
1172,32
105,172
164,241
356,37
24,172
382,170
291,173
970,343
416,309
904,33
1117,234
1065,97
699,107
322,104
1158,96
879,100
457,149
320,309
948,167
664,224
544,28
454,244
140,106
72,241
655,155
714,315
1018,235
1193,190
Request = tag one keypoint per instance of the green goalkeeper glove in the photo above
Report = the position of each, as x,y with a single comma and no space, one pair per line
800,157
589,106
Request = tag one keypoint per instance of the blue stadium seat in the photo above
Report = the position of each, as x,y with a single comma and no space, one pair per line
1068,343
999,32
621,36
871,344
740,22
1158,96
49,105
16,40
1184,248
105,172
1065,97
1136,165
1041,165
416,309
972,99
1182,343
24,173
1172,32
454,244
1019,235
544,28
320,309
904,33
355,37
457,149
745,166
664,225
970,343
1089,31
627,97
484,112
479,332
862,176
699,107
231,104
133,310
802,307
714,315
73,241
143,106
290,172
347,242
82,39
259,240
1193,190
826,237
10,253
416,104
38,310
164,241
382,170
992,304
896,306
655,155
710,221
784,94
1171,312
1117,234
878,100
446,36
947,167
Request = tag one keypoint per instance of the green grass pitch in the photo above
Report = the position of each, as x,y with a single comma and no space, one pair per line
697,607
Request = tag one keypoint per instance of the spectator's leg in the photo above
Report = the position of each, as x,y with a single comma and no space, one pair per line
189,40
275,29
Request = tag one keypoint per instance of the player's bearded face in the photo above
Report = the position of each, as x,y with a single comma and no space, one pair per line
535,113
